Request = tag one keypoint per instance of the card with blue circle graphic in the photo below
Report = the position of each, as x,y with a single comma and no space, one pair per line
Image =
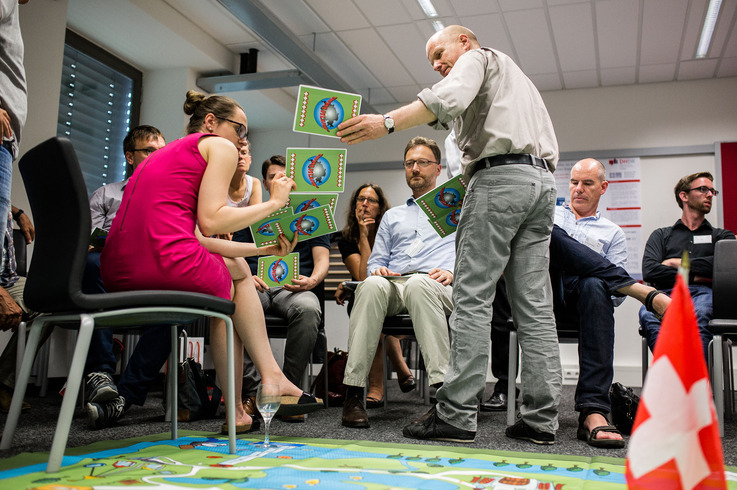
442,205
302,201
447,224
312,223
264,233
320,111
317,170
277,271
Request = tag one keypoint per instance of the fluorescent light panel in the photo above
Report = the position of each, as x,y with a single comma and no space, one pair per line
708,29
438,25
428,8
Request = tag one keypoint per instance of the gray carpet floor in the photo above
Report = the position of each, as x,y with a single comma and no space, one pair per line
36,428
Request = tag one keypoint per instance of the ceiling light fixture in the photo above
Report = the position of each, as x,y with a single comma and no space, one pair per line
428,8
438,25
708,29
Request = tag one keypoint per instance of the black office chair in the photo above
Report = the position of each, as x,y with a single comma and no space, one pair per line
724,327
58,198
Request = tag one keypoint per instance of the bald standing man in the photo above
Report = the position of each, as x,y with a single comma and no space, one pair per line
508,151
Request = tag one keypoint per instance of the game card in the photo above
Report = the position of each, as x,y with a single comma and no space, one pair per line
317,170
312,223
277,271
320,111
302,201
264,232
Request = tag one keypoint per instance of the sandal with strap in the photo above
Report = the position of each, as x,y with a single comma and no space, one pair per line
649,303
583,434
407,383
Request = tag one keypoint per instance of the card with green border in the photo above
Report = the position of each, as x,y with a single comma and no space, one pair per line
277,271
444,199
302,201
317,170
312,223
263,231
320,111
447,224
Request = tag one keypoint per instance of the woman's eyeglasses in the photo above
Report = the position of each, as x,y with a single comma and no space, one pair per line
239,128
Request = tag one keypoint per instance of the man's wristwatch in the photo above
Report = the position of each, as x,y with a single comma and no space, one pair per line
17,214
389,123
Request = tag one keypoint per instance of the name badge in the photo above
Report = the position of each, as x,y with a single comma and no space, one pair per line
701,239
594,244
414,247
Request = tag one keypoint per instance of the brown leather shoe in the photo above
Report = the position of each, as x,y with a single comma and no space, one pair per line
249,405
354,414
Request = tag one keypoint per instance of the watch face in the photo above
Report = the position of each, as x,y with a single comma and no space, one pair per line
388,123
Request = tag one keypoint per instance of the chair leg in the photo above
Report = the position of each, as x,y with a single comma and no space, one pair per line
20,345
230,383
21,383
86,326
717,371
172,382
645,359
512,378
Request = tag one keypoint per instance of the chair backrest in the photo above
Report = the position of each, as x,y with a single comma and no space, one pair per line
61,212
725,280
20,246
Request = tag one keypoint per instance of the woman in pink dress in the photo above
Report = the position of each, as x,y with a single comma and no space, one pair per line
155,240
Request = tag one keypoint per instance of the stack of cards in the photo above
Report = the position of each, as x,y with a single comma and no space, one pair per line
442,205
319,174
278,271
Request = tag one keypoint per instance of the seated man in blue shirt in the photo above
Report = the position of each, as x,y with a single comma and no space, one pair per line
405,242
587,302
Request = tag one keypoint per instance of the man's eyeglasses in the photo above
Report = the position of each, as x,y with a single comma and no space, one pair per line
239,128
421,162
370,200
703,189
145,151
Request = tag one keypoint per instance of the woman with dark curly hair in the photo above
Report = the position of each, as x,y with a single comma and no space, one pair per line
368,205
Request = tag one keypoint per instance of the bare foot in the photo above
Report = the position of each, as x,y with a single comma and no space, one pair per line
597,420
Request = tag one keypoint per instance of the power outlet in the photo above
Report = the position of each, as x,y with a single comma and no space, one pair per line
570,373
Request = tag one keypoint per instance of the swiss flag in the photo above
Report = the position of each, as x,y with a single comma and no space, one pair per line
675,439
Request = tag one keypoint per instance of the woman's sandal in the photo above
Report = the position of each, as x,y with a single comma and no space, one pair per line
584,434
649,303
243,428
407,383
372,402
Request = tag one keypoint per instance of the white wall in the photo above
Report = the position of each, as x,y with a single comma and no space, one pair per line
646,116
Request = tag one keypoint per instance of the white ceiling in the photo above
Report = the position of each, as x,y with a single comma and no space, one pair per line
378,46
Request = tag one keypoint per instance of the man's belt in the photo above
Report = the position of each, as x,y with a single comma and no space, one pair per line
509,159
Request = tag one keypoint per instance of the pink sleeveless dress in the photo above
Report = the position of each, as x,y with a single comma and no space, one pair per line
152,242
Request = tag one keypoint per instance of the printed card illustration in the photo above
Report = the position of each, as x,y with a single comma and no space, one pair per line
320,111
302,201
444,199
264,232
312,223
447,224
317,170
277,271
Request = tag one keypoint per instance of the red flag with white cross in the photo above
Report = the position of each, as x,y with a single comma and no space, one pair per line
675,439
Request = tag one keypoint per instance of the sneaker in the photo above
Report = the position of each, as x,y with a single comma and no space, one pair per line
105,414
435,429
100,387
520,430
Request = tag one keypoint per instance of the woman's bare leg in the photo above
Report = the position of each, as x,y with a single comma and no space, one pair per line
218,344
640,292
394,351
376,374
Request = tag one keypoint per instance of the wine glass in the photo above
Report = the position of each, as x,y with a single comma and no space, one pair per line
268,399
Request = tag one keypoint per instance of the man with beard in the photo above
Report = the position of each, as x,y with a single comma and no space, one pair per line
405,244
664,248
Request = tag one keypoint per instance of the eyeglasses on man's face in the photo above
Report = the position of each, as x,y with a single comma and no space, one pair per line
370,200
145,151
421,162
239,127
704,190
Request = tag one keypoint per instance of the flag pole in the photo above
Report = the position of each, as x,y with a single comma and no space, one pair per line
683,269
